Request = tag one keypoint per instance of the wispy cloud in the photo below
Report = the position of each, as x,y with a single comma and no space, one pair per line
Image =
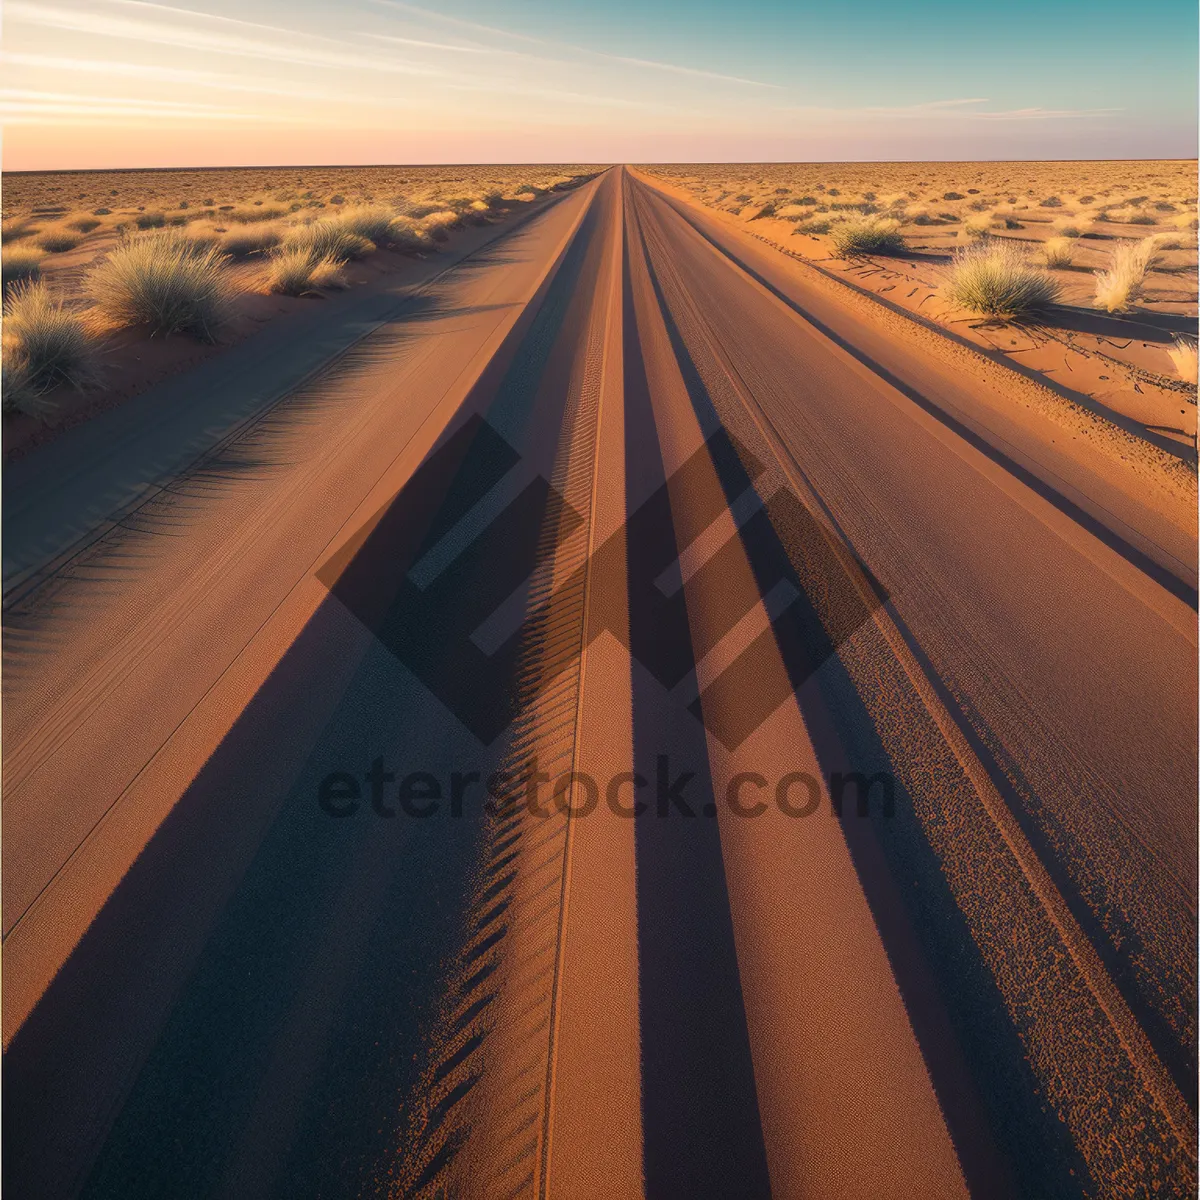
22,105
958,109
495,31
215,39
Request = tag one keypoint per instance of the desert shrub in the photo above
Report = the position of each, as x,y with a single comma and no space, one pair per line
21,263
101,212
338,199
813,225
150,220
977,226
1141,218
13,231
165,282
44,343
294,270
995,278
1058,251
1119,287
1072,227
405,234
255,212
868,235
1170,241
1051,202
57,241
953,196
328,239
84,224
372,222
438,224
1183,357
242,243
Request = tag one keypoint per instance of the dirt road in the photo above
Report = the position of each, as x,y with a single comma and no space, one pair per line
631,724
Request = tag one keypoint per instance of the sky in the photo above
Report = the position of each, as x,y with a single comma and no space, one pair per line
129,83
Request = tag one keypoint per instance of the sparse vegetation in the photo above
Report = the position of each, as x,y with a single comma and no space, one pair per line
328,238
296,270
1120,287
1183,358
150,220
1058,251
257,239
58,241
21,263
45,344
164,282
997,279
867,235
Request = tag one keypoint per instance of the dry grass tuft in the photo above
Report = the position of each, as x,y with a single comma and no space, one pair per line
406,234
867,235
1118,288
242,243
296,270
84,224
45,344
329,238
994,277
1058,251
978,226
369,221
57,241
165,281
21,263
1183,358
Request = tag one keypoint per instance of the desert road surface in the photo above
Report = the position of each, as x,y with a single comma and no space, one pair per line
608,718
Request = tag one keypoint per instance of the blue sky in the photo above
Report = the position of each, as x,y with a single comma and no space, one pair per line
92,83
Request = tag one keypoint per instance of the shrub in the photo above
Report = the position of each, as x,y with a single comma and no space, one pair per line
437,224
84,224
978,226
44,343
869,235
1051,202
813,225
372,222
1121,285
1072,227
1170,241
101,212
295,270
328,239
405,234
1058,251
13,231
21,263
953,196
1183,357
57,241
166,282
1141,218
242,243
150,220
255,212
994,277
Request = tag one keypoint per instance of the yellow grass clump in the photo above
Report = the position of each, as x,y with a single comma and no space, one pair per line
1058,251
329,238
45,344
867,235
995,278
164,281
21,263
1119,287
1183,357
296,270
